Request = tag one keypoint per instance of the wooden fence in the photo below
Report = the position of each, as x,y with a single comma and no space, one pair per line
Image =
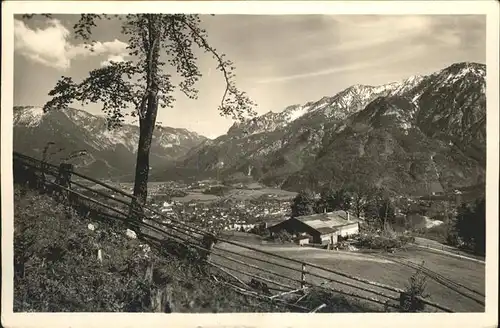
252,271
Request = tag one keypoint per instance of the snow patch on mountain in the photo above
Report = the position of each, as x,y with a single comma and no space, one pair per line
296,112
30,116
168,140
118,136
400,88
461,72
78,116
454,77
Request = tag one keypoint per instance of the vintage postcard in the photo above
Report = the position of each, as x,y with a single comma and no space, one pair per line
244,163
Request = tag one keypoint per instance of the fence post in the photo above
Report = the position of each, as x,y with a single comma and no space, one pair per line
64,178
303,276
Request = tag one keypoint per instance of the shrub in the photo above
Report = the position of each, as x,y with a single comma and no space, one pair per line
386,240
410,300
217,190
282,236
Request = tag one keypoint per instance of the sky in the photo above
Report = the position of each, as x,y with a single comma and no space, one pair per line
280,60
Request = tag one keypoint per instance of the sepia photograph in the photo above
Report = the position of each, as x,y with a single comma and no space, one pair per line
209,161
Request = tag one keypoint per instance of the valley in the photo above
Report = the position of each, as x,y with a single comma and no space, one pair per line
403,136
422,141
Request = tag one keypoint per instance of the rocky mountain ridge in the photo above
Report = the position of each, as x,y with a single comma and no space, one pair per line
109,153
398,133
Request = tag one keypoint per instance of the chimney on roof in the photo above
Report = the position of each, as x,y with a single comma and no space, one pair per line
347,213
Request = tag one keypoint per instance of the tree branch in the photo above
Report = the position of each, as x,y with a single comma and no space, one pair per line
241,98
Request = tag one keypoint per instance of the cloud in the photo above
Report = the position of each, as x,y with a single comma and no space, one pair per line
50,46
326,71
114,59
349,43
362,65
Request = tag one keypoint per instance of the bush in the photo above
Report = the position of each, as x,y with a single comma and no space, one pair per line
386,240
411,299
217,191
281,236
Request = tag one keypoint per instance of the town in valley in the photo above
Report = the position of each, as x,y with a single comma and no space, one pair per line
336,163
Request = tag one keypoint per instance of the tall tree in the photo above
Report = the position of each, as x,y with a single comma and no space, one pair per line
379,207
360,187
137,87
386,212
341,200
325,201
470,225
303,204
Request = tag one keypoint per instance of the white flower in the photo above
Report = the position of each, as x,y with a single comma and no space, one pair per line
91,226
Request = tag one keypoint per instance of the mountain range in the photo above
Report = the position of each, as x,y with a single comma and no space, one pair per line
108,153
405,136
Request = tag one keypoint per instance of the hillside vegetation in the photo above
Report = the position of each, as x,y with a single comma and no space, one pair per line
57,267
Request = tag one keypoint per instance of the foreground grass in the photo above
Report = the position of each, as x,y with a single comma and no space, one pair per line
382,268
59,268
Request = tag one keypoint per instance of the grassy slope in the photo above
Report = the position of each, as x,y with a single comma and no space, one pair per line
371,267
58,254
56,269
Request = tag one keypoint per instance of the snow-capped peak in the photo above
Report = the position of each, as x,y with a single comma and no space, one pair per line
399,88
77,115
293,113
28,116
458,71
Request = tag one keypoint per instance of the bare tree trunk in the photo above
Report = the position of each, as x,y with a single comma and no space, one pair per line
147,120
142,165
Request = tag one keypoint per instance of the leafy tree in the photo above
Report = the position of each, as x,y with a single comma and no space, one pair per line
157,44
303,204
359,197
331,200
341,200
325,201
470,225
480,226
360,186
379,208
386,211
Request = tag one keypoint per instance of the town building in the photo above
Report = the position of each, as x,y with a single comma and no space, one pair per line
324,228
436,189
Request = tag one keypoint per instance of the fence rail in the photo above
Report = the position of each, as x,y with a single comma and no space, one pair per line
266,270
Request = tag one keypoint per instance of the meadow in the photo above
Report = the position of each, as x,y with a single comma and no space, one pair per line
388,269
